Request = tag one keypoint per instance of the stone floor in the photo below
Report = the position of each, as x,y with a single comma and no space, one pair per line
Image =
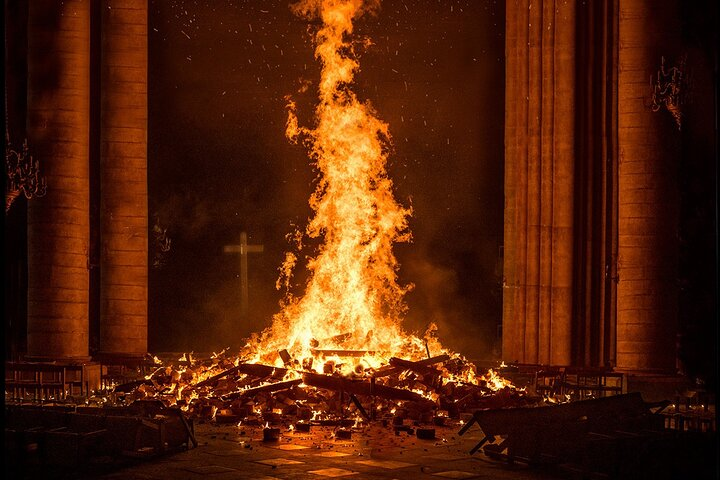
231,452
373,452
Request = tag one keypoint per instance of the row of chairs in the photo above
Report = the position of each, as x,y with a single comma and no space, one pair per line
579,383
46,381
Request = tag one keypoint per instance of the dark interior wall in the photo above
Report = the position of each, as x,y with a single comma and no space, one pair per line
219,163
697,179
14,221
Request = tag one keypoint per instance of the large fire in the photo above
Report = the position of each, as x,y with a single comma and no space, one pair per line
344,333
353,300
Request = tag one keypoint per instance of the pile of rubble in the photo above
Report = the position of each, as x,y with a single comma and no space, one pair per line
227,389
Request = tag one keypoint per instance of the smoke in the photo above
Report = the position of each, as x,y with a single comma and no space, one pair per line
466,323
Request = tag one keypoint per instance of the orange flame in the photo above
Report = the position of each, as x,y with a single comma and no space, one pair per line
352,299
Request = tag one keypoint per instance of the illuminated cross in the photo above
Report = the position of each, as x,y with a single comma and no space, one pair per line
243,249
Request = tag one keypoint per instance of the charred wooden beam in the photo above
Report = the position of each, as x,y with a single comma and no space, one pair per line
253,370
259,370
285,356
256,382
215,378
130,386
361,388
359,406
341,353
272,387
422,367
397,365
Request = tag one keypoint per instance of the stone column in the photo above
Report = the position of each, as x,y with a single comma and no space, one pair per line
539,176
58,223
595,274
123,172
647,227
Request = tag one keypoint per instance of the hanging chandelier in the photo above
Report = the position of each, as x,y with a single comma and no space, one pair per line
23,174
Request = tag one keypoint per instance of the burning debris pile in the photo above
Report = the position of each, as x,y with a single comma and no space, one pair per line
337,389
337,351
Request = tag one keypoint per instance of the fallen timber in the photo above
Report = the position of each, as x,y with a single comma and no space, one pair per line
397,365
271,387
328,382
223,391
358,387
212,380
422,367
341,352
260,370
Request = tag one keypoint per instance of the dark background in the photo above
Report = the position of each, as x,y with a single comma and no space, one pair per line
219,162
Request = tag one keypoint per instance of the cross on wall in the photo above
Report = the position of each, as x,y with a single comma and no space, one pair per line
243,249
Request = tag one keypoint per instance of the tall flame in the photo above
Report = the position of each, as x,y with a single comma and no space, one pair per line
352,299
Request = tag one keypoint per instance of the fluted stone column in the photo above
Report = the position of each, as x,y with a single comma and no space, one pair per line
539,176
58,223
647,294
124,200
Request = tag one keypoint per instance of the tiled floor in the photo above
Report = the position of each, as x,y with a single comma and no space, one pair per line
229,452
